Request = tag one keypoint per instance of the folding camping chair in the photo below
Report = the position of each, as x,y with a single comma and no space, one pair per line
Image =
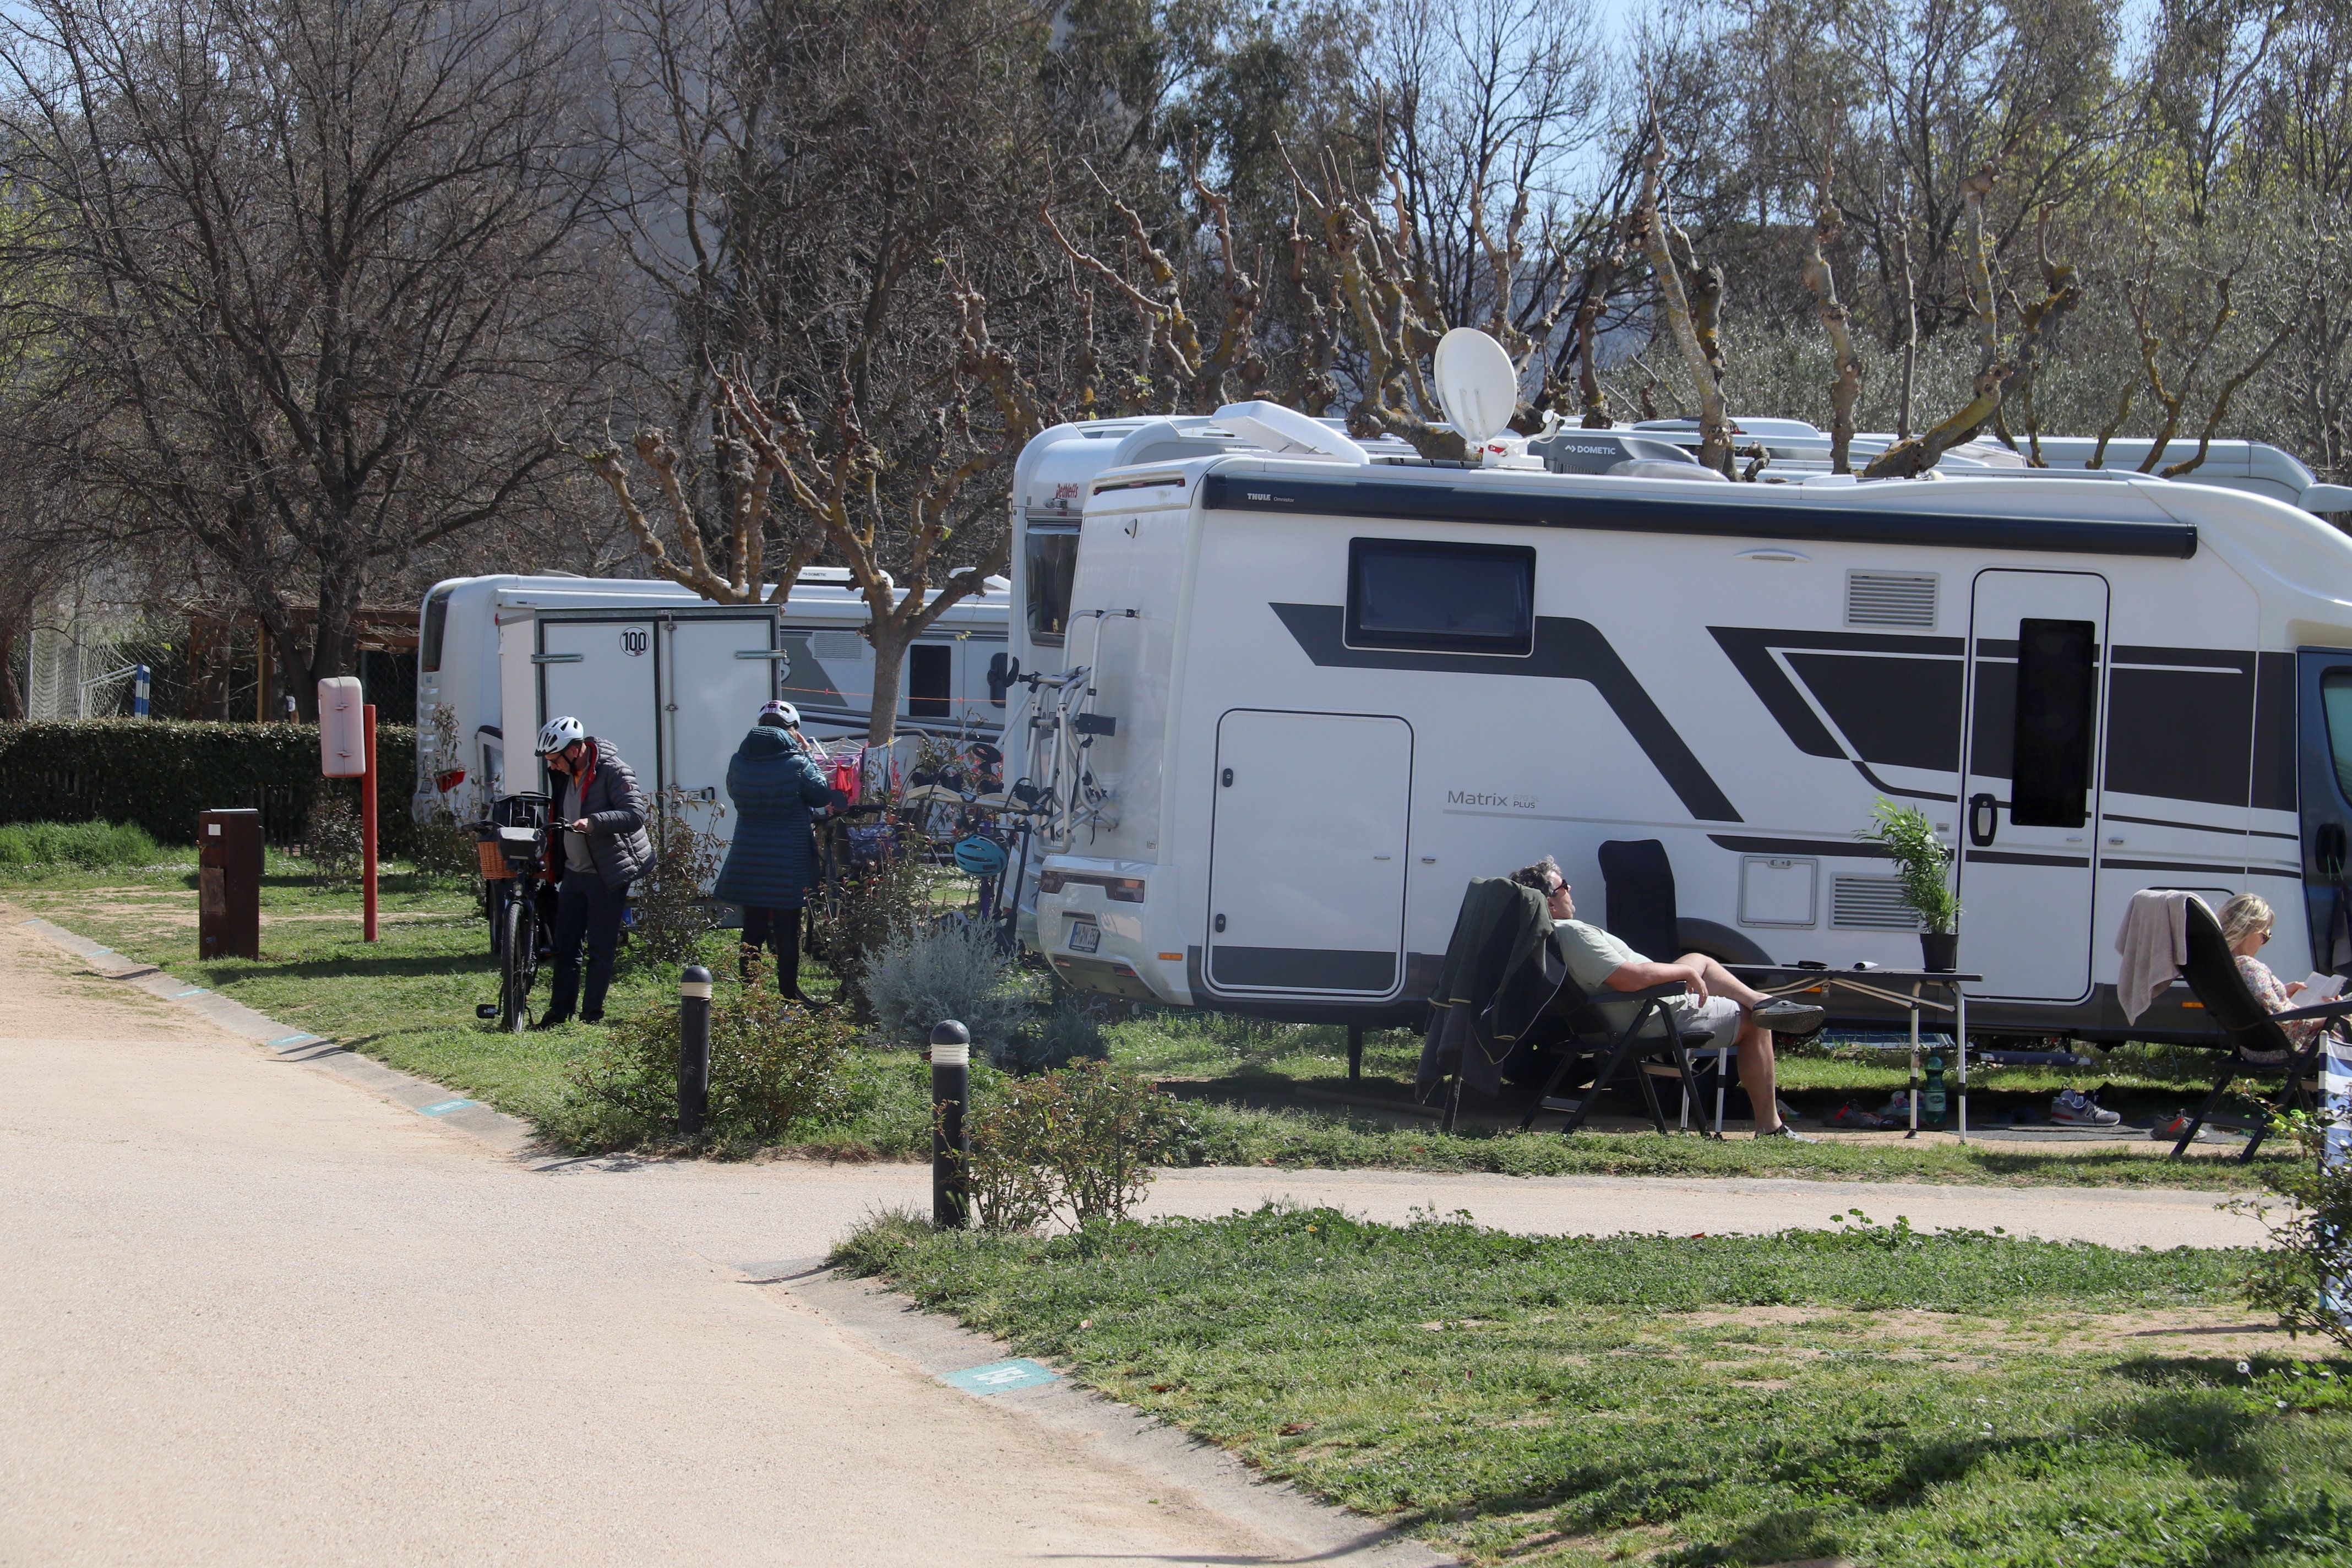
1581,1032
2247,1026
1643,915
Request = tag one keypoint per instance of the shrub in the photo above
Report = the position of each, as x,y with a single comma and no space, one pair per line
88,845
773,1063
1071,1031
863,910
160,772
445,849
950,968
670,914
1078,1142
2306,1276
333,842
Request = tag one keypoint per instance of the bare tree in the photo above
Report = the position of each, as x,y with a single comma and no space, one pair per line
826,199
320,276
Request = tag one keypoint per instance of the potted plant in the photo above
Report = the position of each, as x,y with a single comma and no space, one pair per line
1925,866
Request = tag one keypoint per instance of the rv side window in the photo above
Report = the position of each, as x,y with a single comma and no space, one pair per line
1443,598
2057,692
1050,563
2335,698
930,680
437,621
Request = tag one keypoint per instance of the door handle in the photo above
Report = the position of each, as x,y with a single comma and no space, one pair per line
1221,922
1226,778
1984,819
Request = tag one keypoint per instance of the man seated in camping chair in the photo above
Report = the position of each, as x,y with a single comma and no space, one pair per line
1714,1005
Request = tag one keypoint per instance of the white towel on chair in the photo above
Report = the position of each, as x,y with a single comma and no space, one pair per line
2153,942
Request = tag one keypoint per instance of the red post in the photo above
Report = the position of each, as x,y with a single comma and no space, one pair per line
367,834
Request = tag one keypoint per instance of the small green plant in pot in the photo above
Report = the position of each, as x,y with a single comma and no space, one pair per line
1925,867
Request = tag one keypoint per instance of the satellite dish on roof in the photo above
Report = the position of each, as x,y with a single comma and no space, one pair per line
1289,432
1476,384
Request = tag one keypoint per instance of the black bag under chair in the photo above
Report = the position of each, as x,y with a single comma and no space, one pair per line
2247,1026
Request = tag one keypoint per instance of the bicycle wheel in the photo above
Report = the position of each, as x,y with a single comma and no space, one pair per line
516,964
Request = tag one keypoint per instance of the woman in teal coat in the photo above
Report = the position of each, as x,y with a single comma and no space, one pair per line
771,864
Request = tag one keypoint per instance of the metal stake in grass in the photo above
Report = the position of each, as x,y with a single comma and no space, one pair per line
950,1143
693,1048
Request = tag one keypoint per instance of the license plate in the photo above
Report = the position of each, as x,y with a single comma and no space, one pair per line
1085,936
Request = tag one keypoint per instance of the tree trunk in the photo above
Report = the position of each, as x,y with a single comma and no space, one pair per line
890,639
12,696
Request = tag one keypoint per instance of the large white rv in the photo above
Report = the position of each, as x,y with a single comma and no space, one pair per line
1312,696
673,679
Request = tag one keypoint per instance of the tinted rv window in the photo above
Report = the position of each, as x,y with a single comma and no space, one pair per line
1453,598
2057,692
437,621
929,680
2335,697
1050,563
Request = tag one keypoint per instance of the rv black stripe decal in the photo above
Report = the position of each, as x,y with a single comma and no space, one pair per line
1301,969
1436,502
2009,858
1564,650
1786,847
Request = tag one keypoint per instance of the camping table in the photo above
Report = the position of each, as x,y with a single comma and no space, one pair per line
1879,983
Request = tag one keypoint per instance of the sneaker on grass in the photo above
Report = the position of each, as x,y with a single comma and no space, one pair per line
2073,1108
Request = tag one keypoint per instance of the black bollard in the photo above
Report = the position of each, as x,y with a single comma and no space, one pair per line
693,1048
950,1143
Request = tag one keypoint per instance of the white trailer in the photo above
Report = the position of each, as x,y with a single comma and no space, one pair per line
1310,697
671,679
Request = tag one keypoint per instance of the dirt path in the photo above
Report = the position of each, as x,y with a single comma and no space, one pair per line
253,1315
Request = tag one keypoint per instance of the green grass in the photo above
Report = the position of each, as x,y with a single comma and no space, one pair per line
1960,1401
30,847
1180,1043
409,1000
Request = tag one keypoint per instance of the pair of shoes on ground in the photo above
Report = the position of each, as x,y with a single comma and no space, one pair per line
1853,1118
557,1021
2073,1108
1785,1133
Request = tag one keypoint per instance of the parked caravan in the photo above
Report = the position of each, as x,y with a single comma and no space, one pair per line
1291,701
671,679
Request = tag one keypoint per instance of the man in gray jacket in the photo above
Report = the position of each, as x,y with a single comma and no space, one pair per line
600,825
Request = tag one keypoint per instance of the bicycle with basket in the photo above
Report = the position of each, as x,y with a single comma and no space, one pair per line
519,900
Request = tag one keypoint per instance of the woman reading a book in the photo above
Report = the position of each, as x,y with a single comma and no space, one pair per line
2246,922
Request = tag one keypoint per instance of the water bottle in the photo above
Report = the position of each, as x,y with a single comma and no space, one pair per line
1931,1100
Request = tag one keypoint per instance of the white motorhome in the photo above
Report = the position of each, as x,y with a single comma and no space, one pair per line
671,679
1313,695
1797,449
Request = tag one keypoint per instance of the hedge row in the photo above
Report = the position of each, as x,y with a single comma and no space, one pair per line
160,772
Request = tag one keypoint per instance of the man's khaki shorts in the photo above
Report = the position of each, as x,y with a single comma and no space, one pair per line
1708,1024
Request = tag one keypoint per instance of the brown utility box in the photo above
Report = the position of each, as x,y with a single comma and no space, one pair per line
228,884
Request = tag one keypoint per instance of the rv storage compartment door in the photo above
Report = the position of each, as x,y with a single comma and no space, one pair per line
603,674
2030,794
1307,853
714,696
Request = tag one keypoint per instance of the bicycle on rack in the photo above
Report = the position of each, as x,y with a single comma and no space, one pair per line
512,845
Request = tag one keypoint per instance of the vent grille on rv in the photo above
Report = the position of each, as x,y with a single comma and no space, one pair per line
1870,903
1890,599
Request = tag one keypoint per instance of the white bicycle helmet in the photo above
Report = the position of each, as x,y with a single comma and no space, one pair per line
782,713
557,734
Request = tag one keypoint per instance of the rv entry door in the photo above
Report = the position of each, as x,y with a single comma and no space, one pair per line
1307,853
2029,804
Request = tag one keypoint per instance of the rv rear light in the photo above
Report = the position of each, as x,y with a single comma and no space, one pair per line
1125,889
1050,881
